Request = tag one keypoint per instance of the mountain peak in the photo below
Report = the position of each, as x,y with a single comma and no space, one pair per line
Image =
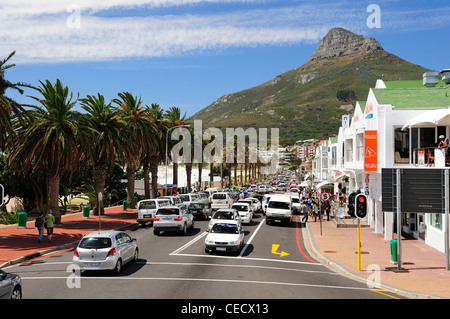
340,42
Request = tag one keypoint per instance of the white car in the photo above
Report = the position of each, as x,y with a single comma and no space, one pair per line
223,215
251,202
221,200
105,250
245,211
226,236
173,218
147,209
189,198
256,204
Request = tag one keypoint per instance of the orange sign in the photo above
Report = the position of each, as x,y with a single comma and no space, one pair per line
370,151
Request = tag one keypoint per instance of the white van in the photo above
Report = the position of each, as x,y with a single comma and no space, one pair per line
279,209
146,209
189,198
174,200
221,200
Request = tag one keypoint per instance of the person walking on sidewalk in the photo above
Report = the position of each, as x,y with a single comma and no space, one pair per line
39,224
50,221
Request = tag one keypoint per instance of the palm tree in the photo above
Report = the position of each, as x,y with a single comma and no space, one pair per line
174,117
48,139
8,107
156,150
103,133
139,132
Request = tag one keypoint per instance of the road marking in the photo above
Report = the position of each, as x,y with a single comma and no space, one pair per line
258,282
175,252
250,258
275,248
298,242
251,238
382,293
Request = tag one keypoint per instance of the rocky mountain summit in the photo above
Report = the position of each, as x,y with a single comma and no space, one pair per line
304,103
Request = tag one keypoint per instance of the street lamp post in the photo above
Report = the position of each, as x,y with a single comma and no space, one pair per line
167,143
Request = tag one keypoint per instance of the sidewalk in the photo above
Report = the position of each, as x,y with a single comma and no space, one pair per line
423,273
19,244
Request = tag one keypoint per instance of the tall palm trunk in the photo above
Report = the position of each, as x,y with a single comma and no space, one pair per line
130,186
200,168
99,172
154,159
189,173
54,179
146,169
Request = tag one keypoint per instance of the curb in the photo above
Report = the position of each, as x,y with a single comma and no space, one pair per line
311,247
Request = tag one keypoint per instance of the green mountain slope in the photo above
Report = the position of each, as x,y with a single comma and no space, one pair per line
303,102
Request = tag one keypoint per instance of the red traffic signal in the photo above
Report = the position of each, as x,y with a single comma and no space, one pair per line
361,206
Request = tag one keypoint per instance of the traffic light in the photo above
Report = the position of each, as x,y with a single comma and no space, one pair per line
361,205
351,204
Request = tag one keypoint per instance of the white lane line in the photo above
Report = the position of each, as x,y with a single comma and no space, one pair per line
251,258
175,252
250,240
207,280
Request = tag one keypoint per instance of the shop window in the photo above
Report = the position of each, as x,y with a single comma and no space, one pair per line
401,146
435,221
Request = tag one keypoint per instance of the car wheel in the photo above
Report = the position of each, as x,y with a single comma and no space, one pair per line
17,293
156,232
192,224
184,230
118,267
136,255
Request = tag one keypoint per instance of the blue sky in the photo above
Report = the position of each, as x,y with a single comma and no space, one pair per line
188,53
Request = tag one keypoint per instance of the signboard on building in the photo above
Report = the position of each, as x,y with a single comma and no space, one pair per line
422,190
370,151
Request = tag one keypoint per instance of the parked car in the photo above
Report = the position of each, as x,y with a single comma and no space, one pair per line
10,286
173,218
221,200
105,250
147,209
245,211
223,215
200,209
225,236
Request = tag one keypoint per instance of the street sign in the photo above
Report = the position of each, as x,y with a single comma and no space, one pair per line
325,196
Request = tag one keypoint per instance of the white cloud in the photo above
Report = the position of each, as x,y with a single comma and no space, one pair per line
42,31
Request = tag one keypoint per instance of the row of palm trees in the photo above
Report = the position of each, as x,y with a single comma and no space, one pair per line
52,138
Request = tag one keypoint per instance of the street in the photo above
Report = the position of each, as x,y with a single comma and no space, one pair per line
273,264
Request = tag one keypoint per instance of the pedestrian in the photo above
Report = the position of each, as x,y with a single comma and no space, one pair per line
39,224
50,222
315,210
305,212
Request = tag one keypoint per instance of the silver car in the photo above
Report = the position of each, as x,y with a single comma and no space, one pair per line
105,250
173,218
10,286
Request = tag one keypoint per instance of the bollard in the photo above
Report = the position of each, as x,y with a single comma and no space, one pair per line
86,211
22,220
125,205
393,243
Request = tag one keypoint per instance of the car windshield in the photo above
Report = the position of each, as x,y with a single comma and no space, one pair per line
225,229
223,215
168,211
147,205
278,205
95,242
296,200
241,208
196,205
219,196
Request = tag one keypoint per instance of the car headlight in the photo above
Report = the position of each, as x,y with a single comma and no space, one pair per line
233,243
209,242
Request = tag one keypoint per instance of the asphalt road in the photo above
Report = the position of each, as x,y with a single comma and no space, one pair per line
273,264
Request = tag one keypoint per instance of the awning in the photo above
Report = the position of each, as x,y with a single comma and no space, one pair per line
322,184
433,117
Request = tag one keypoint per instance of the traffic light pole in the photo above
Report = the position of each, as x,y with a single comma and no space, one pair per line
399,221
359,244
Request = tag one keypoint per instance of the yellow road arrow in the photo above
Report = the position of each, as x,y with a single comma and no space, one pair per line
274,251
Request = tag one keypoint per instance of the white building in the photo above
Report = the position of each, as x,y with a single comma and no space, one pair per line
396,127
